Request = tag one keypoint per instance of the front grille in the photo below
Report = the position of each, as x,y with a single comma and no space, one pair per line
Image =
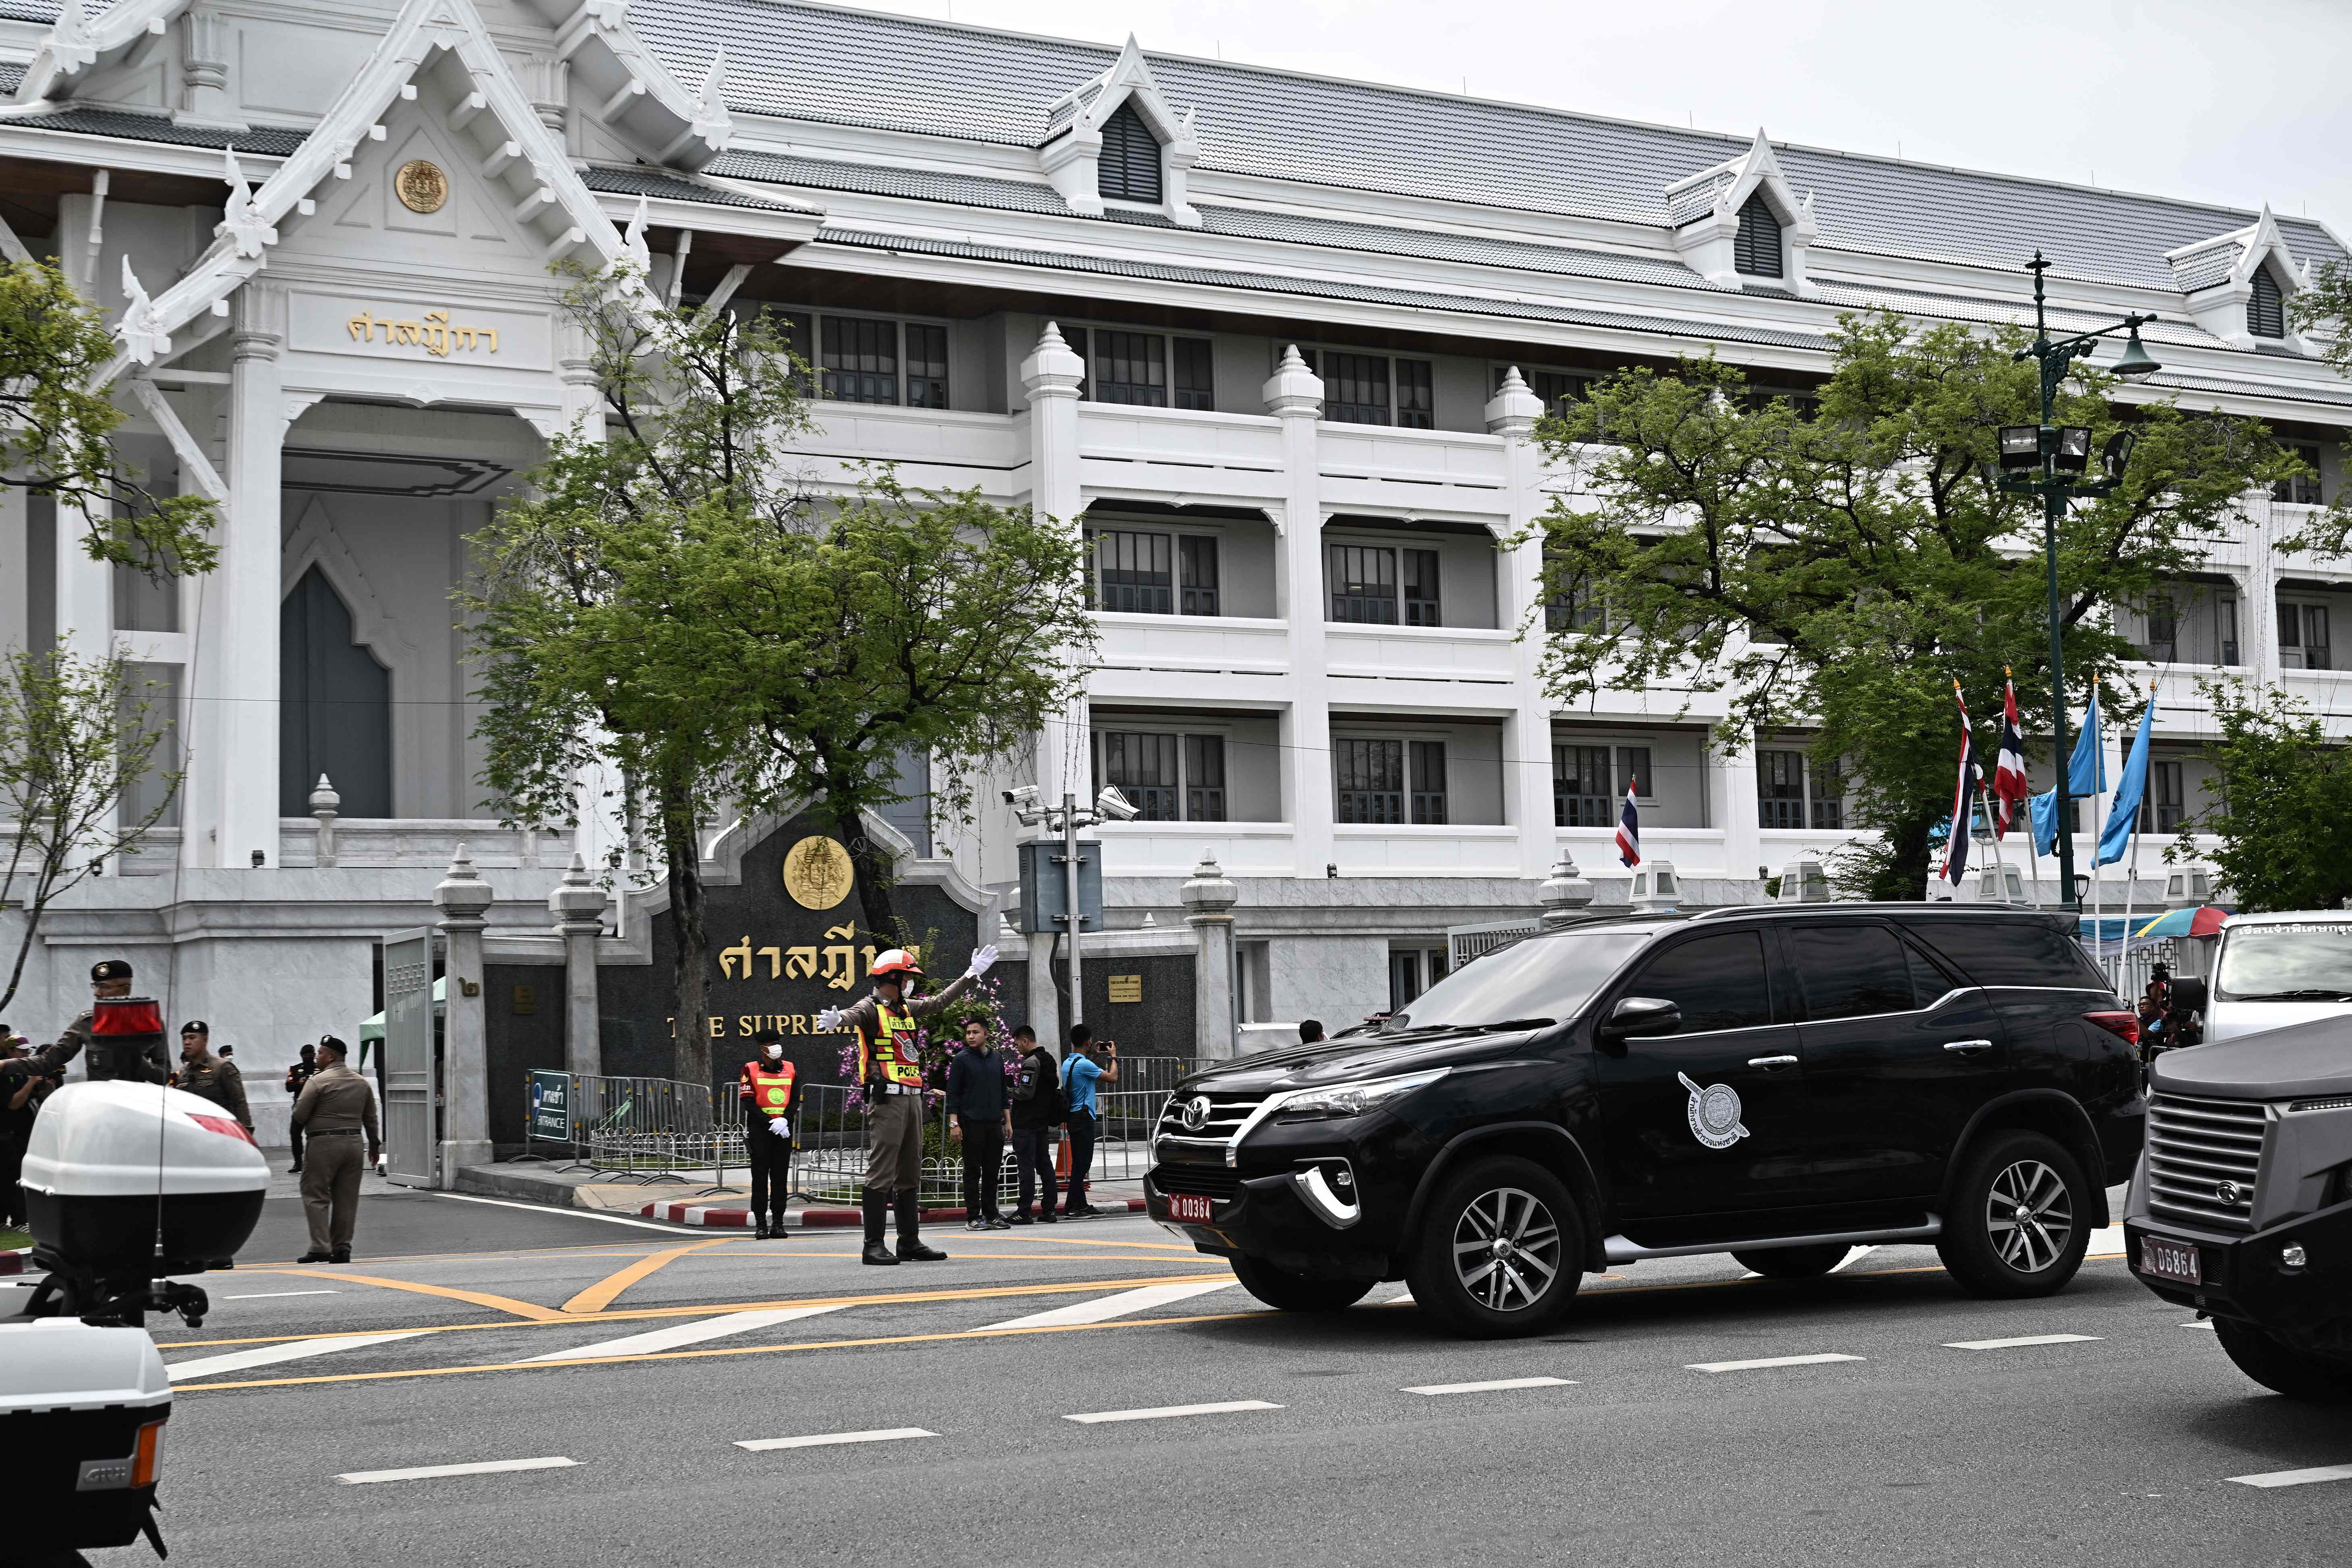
1205,1181
1227,1112
2204,1157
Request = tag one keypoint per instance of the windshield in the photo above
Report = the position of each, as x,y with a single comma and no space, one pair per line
2298,962
1543,979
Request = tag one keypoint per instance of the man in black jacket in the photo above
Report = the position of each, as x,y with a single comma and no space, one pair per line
1036,1111
980,1121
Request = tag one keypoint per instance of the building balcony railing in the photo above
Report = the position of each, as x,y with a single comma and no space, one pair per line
1423,652
1184,643
1405,850
1172,848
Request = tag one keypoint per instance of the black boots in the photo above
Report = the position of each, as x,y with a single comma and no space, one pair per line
877,1212
910,1218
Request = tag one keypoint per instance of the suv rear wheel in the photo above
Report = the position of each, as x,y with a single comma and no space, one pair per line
2021,1217
2282,1370
1288,1292
1500,1251
1794,1262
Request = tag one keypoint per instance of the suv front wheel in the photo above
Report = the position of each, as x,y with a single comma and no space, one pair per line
2021,1217
1500,1251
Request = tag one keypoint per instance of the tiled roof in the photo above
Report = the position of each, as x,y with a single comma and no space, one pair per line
829,63
12,76
2203,266
271,139
666,186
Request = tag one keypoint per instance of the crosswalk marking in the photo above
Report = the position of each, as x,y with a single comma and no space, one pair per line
2295,1478
1768,1360
2020,1341
827,1440
1496,1386
1120,1304
429,1472
688,1333
2106,1242
269,1355
1163,1411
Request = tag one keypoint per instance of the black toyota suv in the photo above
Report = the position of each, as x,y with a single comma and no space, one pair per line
2242,1206
1779,1084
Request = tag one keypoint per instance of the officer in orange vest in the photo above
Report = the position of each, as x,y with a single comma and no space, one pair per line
765,1088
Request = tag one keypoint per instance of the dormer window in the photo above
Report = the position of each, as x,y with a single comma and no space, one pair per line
1756,248
1130,169
2266,306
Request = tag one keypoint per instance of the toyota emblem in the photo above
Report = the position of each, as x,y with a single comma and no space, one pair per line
1196,1113
2227,1192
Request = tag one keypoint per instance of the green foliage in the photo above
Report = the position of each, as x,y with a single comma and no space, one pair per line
1840,572
2282,813
2325,310
77,737
55,421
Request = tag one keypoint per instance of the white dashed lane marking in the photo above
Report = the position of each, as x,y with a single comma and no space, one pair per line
1497,1386
1768,1360
273,1295
2207,1326
1119,1304
828,1439
269,1355
2020,1341
1164,1411
695,1332
431,1472
2295,1478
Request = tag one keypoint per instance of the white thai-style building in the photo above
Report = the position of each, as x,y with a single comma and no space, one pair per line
1280,340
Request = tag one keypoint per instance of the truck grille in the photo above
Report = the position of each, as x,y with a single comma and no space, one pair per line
2204,1159
1228,1114
1205,1181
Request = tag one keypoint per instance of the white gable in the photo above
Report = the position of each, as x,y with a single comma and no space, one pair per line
2217,275
1071,155
1705,208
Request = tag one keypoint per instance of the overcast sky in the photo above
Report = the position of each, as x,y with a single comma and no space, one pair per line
2238,104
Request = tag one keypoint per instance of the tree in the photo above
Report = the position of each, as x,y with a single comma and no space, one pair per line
1839,567
2283,810
77,741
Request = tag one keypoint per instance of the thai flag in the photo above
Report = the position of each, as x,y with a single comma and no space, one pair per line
1964,799
1629,829
2009,789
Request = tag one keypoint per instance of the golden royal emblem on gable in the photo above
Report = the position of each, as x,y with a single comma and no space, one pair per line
817,873
421,186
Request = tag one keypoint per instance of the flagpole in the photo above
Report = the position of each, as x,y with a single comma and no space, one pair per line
2098,810
2131,874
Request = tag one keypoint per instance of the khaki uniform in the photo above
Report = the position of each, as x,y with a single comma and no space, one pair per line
894,1123
335,1110
216,1079
155,1068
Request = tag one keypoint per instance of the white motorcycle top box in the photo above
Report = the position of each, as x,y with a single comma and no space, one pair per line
119,1175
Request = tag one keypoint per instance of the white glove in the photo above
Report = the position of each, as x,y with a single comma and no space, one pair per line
781,1128
829,1021
982,960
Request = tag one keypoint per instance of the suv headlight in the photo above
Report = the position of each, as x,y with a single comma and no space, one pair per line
1355,1099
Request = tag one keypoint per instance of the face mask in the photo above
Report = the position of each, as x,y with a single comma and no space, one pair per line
775,1052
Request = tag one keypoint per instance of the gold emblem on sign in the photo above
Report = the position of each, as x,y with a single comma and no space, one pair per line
421,186
817,872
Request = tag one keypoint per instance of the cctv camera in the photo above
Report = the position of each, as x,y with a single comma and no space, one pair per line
1026,794
1110,803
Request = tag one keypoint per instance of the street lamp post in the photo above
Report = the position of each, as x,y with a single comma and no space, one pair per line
2062,453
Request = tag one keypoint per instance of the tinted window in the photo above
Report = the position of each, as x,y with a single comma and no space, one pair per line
1851,970
1716,981
2012,952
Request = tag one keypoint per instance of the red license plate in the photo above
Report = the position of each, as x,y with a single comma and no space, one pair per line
2173,1261
1188,1206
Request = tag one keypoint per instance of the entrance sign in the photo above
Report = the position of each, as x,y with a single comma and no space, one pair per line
551,1106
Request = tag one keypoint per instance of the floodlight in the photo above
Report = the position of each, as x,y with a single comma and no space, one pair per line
2020,447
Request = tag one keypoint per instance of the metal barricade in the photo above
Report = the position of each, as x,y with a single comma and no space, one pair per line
1159,1074
1123,1132
648,1129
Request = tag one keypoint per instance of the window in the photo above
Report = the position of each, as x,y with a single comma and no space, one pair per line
2162,623
1370,778
1558,388
2302,490
1416,394
1129,170
1575,607
2011,953
1195,378
1420,607
1143,767
2166,805
2225,616
1580,787
1428,782
1364,584
2302,636
1355,389
1204,778
1196,566
1411,971
1756,248
2266,306
1717,982
1851,970
860,360
1829,796
1634,772
1130,367
1134,571
1780,789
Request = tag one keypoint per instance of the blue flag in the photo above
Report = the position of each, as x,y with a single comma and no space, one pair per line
2123,812
2086,771
2045,823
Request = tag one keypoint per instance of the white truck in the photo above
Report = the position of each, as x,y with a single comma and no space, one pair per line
2278,969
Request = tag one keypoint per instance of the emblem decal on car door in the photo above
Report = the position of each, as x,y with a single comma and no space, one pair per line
1714,1113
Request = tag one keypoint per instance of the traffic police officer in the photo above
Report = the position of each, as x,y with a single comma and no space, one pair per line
890,1073
765,1088
137,1053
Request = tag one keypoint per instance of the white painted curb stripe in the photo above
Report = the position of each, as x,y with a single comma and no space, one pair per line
1499,1384
827,1440
269,1355
1119,1304
2295,1478
689,1333
1768,1360
1163,1411
2019,1340
428,1472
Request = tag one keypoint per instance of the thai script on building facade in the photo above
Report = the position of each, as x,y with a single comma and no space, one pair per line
434,334
843,962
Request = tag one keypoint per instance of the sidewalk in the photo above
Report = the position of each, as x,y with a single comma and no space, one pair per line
693,1199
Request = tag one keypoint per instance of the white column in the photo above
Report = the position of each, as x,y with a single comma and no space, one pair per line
1294,394
85,589
1209,900
578,905
1512,414
236,715
464,898
1731,803
1051,376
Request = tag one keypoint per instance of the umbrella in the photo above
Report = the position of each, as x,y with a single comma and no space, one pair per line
2205,920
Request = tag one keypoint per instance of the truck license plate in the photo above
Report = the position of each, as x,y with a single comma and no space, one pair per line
1189,1206
2171,1261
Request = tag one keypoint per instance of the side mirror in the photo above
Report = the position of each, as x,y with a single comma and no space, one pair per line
1637,1015
2188,996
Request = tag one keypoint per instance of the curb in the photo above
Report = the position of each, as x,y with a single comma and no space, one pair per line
14,1262
717,1218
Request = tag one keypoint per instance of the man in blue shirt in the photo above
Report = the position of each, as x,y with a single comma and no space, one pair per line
1089,1064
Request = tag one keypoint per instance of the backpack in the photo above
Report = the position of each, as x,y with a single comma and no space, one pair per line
1035,1082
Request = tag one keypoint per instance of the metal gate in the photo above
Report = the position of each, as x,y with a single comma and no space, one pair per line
412,1146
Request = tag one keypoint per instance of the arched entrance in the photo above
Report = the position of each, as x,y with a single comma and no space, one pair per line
334,706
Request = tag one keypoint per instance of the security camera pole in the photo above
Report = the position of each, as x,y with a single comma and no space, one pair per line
1067,821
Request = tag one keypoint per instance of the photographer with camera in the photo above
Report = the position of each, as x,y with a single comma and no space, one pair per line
1090,1063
